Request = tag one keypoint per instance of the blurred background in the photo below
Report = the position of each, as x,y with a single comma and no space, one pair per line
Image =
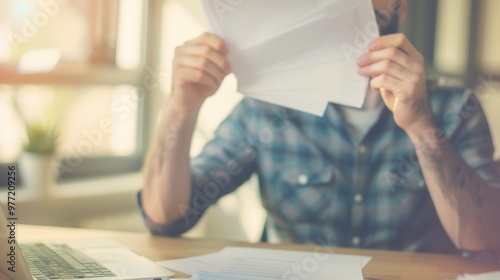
96,74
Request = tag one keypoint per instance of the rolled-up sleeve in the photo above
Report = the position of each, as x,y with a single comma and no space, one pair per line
474,142
224,164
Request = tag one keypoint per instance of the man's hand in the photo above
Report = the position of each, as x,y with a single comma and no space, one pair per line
397,69
199,67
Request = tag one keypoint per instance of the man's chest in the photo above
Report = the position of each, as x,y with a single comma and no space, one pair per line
317,173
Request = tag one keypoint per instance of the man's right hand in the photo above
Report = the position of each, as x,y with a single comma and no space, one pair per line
199,67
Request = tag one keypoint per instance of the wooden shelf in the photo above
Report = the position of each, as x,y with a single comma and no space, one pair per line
72,73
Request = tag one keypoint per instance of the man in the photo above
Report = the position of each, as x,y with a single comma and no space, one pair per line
413,170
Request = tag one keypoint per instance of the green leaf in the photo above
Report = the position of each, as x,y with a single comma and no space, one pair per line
42,138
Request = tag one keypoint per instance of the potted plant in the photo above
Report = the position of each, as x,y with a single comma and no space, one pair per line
38,161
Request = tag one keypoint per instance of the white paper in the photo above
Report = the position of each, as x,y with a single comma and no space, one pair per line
298,54
263,264
187,265
484,276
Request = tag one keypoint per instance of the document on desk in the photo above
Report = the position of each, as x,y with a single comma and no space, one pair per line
299,54
264,264
484,276
188,265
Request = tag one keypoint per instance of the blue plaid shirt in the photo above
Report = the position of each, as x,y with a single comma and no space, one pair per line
322,186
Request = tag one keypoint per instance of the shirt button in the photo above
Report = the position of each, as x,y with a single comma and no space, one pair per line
362,149
303,179
358,198
421,183
356,240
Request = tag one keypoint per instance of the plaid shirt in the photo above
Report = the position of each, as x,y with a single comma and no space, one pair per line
322,186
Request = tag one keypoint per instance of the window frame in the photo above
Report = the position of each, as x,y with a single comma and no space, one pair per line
422,33
103,73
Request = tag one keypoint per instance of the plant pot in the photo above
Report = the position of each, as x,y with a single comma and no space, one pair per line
38,172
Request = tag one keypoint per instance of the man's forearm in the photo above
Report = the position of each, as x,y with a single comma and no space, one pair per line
167,171
198,69
467,206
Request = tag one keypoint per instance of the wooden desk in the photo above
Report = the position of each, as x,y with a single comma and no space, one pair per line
384,265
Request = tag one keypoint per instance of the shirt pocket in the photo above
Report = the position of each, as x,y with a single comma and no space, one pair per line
303,193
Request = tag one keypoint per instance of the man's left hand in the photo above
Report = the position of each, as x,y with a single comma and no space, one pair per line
397,69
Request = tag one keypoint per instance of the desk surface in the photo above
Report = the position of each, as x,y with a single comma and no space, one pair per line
383,266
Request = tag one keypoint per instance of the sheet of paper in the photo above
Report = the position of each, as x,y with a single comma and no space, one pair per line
295,53
484,276
265,264
187,265
252,263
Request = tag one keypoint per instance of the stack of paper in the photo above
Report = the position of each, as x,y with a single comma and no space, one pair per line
484,276
264,264
299,54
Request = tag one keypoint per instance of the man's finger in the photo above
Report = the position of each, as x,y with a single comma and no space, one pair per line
205,51
213,41
394,54
198,76
386,81
388,86
388,98
385,67
202,64
399,41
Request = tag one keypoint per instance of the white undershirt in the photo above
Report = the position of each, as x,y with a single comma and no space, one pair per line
359,121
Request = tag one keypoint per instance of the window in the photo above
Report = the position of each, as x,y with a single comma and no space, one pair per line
487,56
466,54
459,39
82,65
